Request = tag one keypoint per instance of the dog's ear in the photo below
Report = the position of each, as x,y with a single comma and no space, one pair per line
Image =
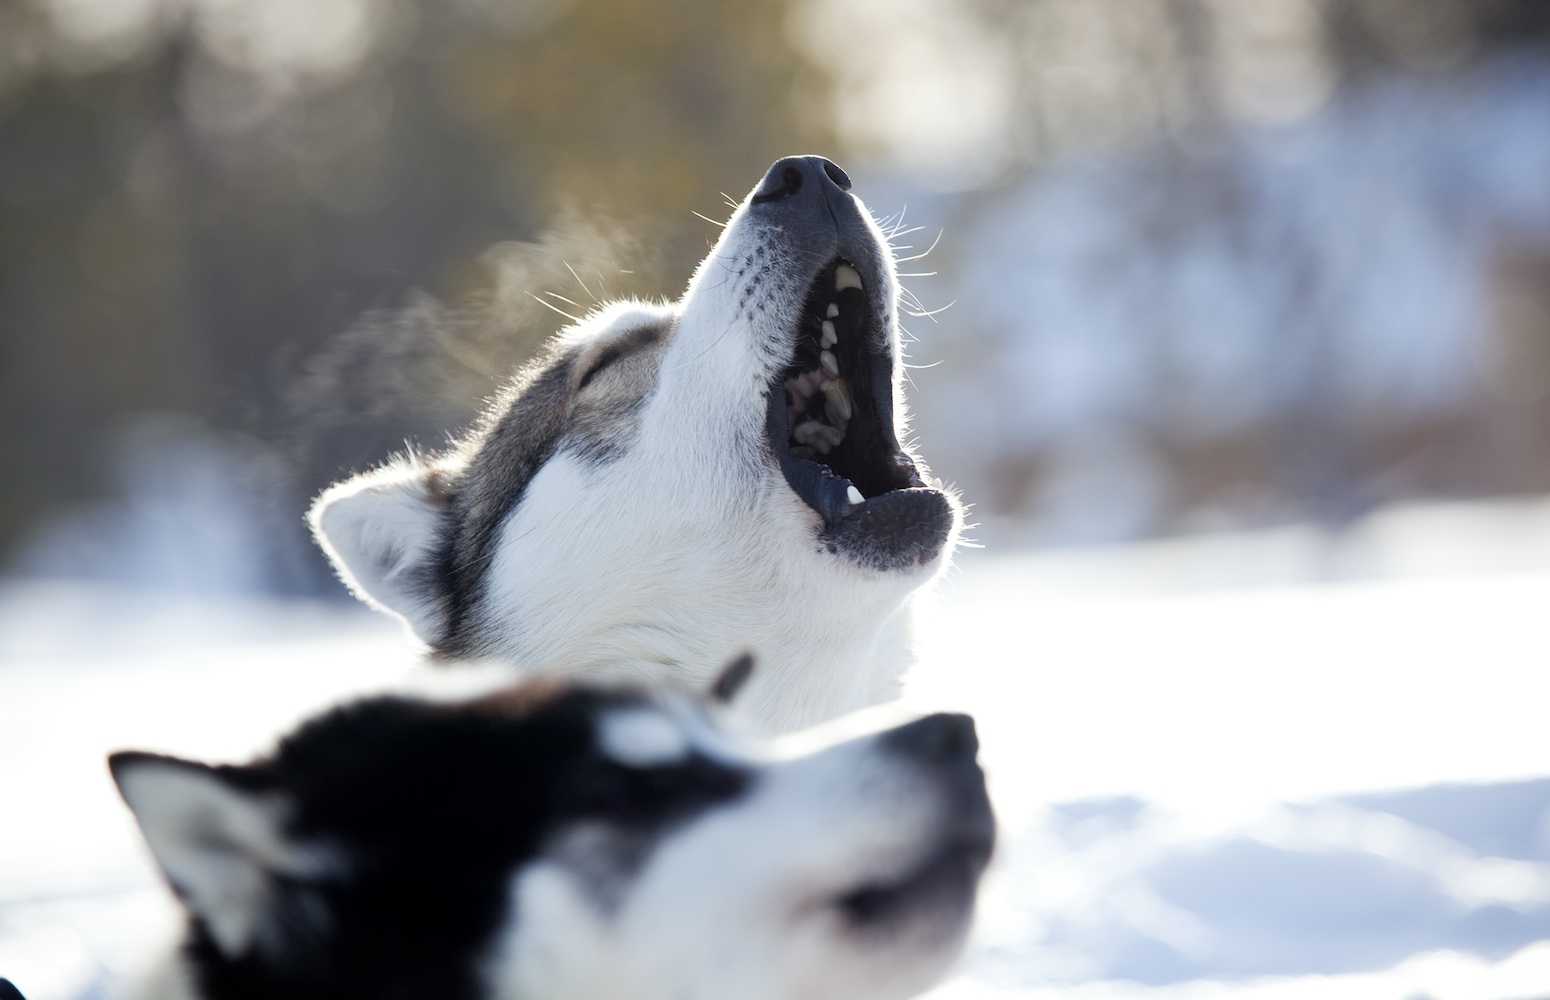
380,530
732,680
219,845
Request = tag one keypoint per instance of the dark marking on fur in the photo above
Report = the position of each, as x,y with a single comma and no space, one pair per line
516,441
732,679
604,426
434,807
542,412
606,418
632,341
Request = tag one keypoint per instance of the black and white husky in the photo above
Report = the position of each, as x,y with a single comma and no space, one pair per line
675,484
565,842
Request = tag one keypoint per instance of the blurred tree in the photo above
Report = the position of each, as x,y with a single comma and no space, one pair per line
1129,71
1301,147
197,199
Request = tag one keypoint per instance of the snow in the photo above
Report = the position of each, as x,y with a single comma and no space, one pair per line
1254,767
1190,783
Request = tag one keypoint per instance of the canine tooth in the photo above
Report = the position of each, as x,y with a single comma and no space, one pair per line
821,443
829,337
845,277
830,363
834,310
838,402
853,495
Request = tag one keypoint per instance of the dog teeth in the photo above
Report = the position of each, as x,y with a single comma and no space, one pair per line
834,310
838,405
818,435
830,363
829,338
845,277
853,495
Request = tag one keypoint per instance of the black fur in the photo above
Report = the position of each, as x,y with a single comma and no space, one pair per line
432,808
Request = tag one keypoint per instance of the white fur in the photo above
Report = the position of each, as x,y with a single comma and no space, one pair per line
378,525
685,552
641,737
739,903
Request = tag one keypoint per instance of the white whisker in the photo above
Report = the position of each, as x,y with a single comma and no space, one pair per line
923,253
551,305
583,284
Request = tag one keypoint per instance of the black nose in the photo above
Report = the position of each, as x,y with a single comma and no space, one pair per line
944,738
790,175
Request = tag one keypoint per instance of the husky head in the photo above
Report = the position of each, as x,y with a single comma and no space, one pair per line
557,841
675,483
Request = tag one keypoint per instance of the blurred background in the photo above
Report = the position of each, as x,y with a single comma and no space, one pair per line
1234,329
1200,265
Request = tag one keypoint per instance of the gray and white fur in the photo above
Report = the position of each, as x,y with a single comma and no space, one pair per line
674,484
568,841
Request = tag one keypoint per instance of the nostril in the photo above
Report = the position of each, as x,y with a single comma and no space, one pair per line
838,176
779,184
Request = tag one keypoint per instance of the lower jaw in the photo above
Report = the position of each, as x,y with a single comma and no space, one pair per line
898,531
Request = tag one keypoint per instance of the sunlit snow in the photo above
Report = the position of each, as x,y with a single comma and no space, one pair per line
1224,768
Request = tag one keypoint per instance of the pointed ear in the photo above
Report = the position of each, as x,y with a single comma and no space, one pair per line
380,532
732,680
219,845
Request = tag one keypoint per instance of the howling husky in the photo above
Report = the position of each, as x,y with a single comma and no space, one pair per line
557,842
672,485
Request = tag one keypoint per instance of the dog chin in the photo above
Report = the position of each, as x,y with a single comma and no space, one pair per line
899,531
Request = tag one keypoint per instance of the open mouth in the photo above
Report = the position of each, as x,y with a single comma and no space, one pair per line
831,410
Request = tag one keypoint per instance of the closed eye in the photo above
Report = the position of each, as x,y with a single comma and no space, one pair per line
606,358
624,344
